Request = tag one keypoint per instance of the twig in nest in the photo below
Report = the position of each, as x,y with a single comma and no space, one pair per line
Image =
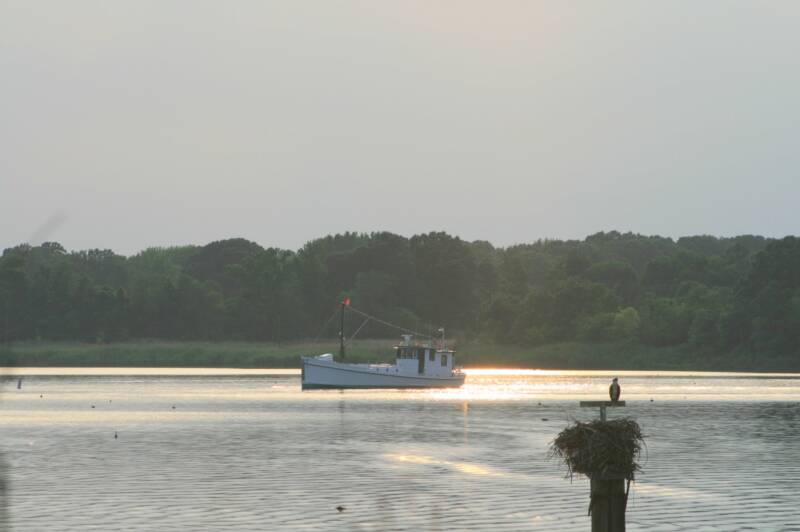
602,448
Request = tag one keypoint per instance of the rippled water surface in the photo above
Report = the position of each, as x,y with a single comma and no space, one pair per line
247,450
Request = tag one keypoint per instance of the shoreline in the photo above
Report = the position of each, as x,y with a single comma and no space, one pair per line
293,372
565,356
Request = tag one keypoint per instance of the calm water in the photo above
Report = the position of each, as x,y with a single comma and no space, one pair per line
250,451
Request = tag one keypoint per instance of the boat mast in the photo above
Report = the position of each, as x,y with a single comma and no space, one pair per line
345,302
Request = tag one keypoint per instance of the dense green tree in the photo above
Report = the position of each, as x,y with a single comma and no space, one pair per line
665,321
626,323
735,296
563,310
212,262
15,315
633,249
618,276
445,279
704,331
765,318
102,266
269,306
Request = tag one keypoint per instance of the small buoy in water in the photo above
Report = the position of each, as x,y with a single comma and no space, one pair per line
340,508
545,419
19,384
115,434
92,406
540,404
173,407
651,399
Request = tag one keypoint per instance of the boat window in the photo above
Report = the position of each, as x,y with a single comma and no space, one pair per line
444,360
431,355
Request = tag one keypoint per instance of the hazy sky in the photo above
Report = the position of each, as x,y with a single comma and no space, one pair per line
125,125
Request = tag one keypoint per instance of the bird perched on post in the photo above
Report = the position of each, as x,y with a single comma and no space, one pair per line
614,390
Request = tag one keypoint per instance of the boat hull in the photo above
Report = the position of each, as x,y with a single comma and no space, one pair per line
335,375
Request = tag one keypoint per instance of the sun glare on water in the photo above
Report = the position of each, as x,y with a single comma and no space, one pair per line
463,467
510,372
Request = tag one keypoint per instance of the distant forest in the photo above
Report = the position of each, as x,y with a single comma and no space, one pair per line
715,296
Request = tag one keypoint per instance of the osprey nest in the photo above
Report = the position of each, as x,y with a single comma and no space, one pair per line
600,448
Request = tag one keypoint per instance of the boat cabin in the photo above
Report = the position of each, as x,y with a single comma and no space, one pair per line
423,358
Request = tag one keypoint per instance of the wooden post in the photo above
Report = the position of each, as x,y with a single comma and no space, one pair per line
607,503
603,405
607,492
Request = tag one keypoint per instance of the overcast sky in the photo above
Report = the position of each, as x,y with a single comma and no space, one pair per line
125,125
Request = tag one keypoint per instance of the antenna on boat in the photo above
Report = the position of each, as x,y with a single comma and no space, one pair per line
441,330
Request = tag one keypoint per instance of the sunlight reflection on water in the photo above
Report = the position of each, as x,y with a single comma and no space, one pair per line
247,450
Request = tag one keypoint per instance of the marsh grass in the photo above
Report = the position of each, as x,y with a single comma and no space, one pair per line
577,355
184,354
568,355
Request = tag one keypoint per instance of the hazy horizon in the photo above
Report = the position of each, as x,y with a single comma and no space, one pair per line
296,248
131,125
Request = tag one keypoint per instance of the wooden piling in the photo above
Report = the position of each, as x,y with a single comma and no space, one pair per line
603,405
607,452
607,496
608,502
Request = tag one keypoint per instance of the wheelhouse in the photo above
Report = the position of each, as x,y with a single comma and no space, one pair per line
424,358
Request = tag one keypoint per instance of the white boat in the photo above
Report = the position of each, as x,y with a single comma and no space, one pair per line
418,365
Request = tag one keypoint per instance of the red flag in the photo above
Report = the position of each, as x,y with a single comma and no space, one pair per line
346,302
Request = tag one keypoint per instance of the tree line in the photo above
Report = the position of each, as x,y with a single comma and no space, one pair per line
713,295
